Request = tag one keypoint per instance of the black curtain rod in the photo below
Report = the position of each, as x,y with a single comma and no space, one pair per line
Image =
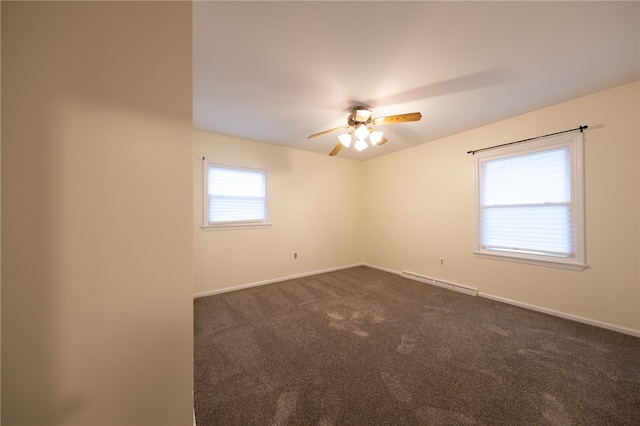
581,128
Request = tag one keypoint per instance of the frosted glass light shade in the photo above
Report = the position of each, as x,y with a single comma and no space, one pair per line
345,140
376,137
360,145
361,132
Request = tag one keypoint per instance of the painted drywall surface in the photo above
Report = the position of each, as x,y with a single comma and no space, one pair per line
0,219
96,210
420,205
315,211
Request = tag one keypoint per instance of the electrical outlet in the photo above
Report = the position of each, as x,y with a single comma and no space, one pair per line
442,261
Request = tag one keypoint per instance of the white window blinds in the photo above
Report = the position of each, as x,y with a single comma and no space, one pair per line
526,203
236,195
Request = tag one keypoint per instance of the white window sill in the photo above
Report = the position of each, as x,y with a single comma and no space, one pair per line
574,266
235,227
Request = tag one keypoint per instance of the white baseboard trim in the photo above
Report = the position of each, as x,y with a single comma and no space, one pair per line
601,324
380,268
275,280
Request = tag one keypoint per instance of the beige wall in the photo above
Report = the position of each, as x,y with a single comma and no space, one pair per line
315,210
97,276
0,217
420,207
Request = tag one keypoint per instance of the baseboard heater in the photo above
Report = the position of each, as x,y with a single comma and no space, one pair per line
450,286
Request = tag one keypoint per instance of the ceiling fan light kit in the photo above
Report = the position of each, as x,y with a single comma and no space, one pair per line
358,125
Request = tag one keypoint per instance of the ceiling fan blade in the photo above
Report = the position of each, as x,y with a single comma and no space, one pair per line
327,131
335,150
382,141
400,118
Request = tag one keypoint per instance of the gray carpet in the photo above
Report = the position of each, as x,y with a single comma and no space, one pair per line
365,347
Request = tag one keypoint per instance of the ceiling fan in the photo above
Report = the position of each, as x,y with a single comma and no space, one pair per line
358,126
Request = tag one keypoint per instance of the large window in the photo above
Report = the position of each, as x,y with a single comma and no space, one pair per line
235,196
530,202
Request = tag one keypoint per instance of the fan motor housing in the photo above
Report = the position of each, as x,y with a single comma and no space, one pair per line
351,120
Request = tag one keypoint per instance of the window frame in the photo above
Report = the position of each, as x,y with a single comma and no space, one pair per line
574,142
235,224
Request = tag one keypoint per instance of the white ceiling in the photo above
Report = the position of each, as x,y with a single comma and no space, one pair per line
277,72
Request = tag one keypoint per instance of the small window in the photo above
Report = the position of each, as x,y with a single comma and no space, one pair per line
529,200
235,196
